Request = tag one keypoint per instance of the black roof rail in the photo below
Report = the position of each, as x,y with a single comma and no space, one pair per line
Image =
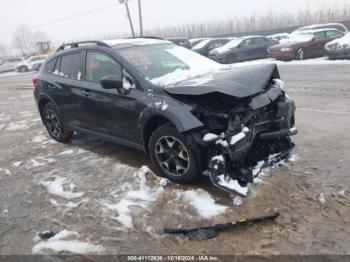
76,44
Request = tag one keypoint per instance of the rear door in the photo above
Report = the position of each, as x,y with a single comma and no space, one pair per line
317,47
110,113
66,86
260,47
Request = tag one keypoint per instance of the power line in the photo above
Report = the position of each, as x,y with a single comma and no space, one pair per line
67,18
74,16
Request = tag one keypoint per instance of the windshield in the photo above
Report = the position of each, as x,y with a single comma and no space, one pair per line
167,63
229,45
300,38
201,44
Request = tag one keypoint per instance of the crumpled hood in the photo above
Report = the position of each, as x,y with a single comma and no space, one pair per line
240,82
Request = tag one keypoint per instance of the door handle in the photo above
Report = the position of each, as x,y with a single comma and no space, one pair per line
86,92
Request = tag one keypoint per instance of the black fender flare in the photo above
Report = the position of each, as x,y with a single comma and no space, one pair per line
179,115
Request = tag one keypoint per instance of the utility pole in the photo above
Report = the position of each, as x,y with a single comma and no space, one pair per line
128,12
140,18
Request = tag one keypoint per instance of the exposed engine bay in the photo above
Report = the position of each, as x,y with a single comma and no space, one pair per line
242,133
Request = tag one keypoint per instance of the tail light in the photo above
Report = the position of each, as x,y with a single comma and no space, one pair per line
35,79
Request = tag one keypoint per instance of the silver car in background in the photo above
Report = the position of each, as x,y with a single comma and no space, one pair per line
8,64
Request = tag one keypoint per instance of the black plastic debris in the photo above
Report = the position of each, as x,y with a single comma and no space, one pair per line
204,233
46,234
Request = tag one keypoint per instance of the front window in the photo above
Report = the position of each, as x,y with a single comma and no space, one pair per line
166,64
99,65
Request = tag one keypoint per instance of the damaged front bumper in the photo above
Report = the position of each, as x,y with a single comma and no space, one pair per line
257,138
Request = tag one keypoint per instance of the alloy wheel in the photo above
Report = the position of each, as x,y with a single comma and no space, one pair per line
52,123
172,156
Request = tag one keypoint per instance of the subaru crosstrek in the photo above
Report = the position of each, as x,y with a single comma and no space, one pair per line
189,114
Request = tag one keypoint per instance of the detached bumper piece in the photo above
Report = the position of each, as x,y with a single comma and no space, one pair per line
204,233
256,140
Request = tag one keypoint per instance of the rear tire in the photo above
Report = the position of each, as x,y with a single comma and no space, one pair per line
54,124
172,155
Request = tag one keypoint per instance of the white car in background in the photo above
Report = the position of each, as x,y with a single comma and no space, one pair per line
33,63
8,64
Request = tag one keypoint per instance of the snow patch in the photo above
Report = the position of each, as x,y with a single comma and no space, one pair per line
239,136
20,125
55,187
67,152
210,137
231,184
203,202
39,139
140,197
17,164
58,243
237,201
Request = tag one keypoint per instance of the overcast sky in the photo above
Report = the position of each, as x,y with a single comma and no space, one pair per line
108,17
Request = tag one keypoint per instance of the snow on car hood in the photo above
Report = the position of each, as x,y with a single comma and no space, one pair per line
238,81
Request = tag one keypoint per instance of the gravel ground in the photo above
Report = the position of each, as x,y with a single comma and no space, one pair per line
77,188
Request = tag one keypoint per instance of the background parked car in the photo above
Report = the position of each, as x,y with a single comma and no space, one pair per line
242,49
31,64
338,26
278,37
195,41
205,46
8,64
339,48
304,45
180,41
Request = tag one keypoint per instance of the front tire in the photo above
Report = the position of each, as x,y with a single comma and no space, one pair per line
231,58
23,69
172,156
300,55
54,124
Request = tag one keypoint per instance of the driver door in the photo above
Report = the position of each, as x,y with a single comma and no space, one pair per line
110,113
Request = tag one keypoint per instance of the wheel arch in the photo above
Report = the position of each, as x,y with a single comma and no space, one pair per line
150,126
43,100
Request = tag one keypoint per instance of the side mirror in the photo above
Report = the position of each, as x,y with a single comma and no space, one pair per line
111,82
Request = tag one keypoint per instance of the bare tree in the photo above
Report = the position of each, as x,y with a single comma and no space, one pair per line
253,23
3,50
23,40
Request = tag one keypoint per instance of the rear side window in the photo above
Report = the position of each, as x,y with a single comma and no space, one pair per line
99,65
50,66
331,34
70,66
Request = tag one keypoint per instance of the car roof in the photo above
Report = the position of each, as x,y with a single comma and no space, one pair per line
123,43
315,26
317,30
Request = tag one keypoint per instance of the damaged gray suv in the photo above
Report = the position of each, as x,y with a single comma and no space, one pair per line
190,115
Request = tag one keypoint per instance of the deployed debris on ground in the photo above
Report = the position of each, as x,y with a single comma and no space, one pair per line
203,233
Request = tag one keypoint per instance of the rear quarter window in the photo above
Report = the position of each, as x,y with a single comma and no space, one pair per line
50,66
70,66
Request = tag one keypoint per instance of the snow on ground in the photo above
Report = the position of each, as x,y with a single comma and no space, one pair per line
203,202
39,139
66,241
141,197
16,126
4,117
55,187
